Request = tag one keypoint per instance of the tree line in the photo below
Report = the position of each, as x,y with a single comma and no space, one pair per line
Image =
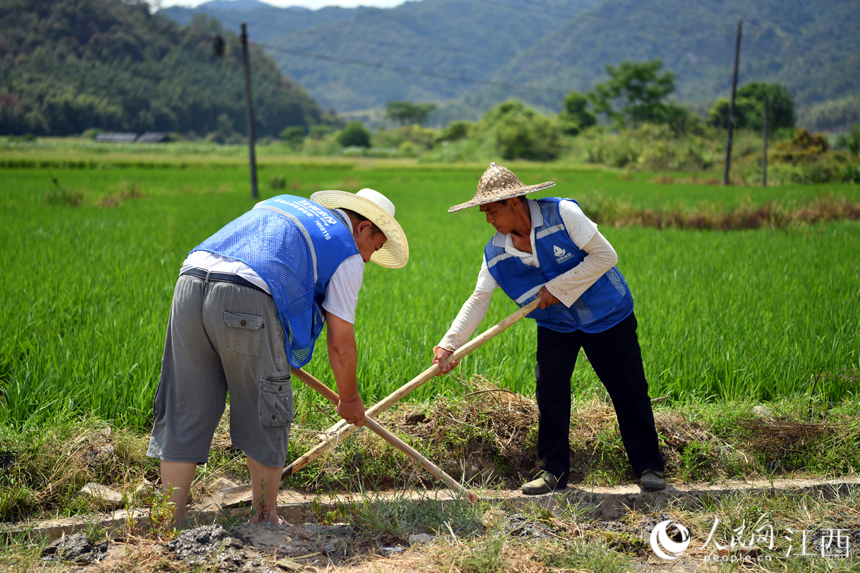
633,95
70,65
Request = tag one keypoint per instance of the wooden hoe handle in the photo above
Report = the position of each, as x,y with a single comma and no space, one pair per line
341,430
377,428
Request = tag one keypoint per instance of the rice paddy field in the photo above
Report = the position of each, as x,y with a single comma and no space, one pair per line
90,261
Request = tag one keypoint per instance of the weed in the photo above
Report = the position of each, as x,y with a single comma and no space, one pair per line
161,515
694,460
582,555
483,556
64,197
122,191
278,182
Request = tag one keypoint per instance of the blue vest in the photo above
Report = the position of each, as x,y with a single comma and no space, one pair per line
295,246
603,305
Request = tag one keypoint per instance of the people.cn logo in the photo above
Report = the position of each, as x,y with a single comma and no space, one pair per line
661,541
560,254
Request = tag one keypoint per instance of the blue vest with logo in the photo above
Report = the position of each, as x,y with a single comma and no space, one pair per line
295,245
603,305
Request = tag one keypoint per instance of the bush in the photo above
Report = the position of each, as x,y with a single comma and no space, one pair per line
523,138
293,136
807,158
419,138
749,108
457,130
576,116
520,132
650,147
354,135
320,131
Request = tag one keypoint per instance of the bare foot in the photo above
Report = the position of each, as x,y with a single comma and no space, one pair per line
273,517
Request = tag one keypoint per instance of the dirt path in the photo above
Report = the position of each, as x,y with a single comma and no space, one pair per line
305,542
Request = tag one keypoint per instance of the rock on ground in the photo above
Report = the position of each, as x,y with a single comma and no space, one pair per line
75,548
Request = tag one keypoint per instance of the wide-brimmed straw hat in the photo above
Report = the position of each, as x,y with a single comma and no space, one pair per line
379,210
497,184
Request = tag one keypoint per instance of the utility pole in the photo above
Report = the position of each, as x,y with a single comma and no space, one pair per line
764,158
251,112
732,107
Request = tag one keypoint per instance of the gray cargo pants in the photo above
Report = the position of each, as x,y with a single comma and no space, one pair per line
222,337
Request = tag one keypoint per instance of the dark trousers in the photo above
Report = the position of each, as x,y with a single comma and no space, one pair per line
617,360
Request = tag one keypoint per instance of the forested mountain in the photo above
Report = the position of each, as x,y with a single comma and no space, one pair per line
70,65
811,46
446,39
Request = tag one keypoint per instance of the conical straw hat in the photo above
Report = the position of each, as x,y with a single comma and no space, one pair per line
378,209
499,183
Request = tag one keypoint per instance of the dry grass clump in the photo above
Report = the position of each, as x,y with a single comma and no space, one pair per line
777,438
776,215
44,476
693,180
692,452
489,432
487,435
121,192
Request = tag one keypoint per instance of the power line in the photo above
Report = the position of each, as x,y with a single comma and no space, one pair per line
791,48
592,15
554,8
582,14
378,42
404,70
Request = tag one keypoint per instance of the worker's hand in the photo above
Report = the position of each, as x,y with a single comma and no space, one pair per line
440,357
352,410
546,298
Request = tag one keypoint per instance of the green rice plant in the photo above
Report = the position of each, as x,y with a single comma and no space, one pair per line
722,315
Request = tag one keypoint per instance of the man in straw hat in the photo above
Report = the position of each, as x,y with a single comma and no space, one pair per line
549,249
250,303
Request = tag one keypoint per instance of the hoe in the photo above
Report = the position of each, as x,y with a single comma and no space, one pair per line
241,495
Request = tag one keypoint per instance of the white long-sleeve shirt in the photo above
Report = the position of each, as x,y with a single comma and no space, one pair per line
567,287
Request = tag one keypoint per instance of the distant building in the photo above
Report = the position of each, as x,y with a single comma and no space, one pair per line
153,137
117,137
